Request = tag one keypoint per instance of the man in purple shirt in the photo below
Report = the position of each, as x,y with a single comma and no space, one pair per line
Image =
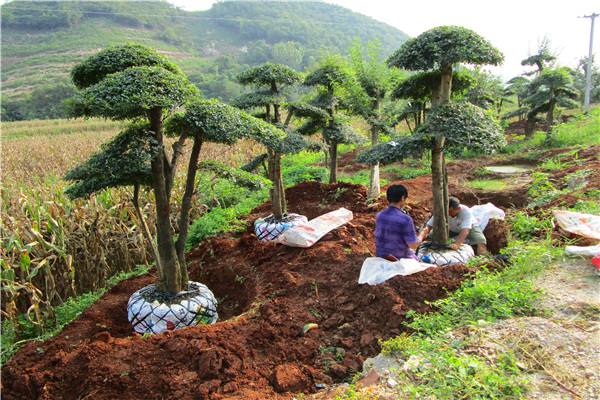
395,235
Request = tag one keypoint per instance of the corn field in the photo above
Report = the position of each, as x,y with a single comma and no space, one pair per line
53,247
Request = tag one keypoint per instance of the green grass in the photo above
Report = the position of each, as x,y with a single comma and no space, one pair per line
64,314
439,365
581,130
487,184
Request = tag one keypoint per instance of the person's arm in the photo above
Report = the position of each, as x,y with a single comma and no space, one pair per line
424,233
428,227
460,238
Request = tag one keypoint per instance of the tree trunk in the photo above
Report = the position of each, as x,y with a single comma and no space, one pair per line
276,188
530,126
280,184
440,217
277,114
186,205
445,84
550,121
374,182
333,162
439,179
172,281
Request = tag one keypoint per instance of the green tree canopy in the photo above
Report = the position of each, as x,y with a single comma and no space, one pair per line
268,73
463,124
445,45
133,93
124,161
115,59
214,121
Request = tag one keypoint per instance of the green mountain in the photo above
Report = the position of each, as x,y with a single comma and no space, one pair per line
42,40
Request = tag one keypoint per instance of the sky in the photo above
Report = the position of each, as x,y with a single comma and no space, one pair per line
516,27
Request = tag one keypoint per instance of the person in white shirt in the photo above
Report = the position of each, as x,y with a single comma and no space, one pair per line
462,227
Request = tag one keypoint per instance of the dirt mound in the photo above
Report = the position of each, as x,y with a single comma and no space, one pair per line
267,293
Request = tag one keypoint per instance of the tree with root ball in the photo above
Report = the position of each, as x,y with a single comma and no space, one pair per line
132,82
334,82
442,49
271,82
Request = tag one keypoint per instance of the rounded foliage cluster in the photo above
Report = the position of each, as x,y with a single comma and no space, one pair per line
258,99
341,133
328,75
218,122
133,93
395,150
123,161
445,46
115,59
269,73
464,125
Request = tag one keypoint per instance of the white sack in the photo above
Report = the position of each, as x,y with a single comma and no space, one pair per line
585,251
305,235
376,270
483,213
446,257
586,225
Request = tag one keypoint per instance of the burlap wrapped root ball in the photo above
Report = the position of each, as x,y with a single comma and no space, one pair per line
270,228
150,311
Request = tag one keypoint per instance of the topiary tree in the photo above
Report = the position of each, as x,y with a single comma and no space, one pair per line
135,83
551,88
370,97
517,86
442,49
271,80
540,60
333,81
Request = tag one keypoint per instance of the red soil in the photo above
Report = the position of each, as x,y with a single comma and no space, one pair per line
267,293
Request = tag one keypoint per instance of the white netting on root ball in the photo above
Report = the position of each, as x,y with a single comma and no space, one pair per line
151,311
431,255
270,228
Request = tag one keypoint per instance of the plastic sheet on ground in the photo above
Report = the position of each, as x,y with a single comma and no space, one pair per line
376,270
445,257
484,212
305,235
586,225
584,251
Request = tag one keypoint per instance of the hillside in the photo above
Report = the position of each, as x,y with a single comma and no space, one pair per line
41,41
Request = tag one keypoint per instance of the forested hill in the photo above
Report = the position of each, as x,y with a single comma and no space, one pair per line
41,41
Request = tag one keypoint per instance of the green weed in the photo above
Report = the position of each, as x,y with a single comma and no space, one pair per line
487,184
526,227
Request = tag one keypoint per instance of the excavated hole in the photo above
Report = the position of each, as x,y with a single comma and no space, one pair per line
235,289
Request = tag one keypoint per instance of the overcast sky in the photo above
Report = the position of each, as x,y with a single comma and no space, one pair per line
514,26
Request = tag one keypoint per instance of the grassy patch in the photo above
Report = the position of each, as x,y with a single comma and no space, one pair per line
406,172
441,365
487,184
526,227
64,314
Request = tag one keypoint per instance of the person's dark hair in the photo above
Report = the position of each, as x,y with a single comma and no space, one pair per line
453,202
395,193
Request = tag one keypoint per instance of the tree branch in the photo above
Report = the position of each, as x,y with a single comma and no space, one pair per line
177,152
145,229
186,202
